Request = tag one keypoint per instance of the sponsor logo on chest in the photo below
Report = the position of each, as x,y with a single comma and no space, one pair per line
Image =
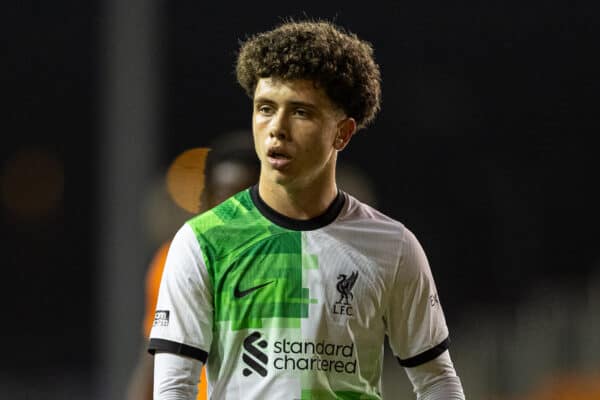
296,355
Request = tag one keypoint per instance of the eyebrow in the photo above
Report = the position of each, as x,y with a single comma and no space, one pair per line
302,104
294,103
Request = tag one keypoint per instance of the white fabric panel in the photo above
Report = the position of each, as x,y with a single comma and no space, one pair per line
436,379
415,319
186,293
175,377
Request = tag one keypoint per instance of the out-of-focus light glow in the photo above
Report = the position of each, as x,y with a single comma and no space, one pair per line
185,178
570,386
32,183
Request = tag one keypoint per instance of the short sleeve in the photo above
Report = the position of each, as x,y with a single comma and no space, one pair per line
153,277
415,321
183,317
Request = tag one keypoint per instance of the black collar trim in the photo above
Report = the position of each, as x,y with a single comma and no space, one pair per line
322,220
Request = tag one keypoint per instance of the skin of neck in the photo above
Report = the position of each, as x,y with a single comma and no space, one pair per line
302,198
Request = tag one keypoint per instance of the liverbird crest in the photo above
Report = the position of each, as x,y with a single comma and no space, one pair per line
344,286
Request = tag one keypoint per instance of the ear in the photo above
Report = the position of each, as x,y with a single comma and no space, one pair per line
345,129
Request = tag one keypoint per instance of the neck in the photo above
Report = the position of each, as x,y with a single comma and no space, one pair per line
296,202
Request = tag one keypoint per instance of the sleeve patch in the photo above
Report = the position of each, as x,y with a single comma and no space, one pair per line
161,318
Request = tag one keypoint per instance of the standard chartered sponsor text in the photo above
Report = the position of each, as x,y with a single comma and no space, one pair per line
316,356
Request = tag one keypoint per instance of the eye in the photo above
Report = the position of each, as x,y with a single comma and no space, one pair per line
301,112
265,109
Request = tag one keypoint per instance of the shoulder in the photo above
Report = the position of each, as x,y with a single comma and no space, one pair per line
231,224
369,231
369,227
362,215
235,208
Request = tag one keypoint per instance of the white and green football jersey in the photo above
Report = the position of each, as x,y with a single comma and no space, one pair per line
286,309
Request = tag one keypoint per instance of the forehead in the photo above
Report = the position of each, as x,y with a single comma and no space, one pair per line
295,90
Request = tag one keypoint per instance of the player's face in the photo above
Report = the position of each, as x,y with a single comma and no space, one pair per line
296,131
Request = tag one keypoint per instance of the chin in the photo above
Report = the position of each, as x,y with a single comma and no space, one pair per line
281,177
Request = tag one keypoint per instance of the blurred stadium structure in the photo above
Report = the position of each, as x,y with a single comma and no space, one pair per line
484,130
547,350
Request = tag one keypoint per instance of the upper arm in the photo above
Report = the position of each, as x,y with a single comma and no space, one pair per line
153,277
184,310
415,321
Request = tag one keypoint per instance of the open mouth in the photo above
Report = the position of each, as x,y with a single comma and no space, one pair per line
278,154
278,159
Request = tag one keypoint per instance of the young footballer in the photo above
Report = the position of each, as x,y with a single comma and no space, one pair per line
287,289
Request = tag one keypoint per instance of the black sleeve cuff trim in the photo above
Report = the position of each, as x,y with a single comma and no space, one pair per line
167,346
426,355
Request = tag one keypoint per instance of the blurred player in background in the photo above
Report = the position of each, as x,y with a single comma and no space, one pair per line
230,166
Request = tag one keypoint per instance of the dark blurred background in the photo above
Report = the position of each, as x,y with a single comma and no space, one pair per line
484,148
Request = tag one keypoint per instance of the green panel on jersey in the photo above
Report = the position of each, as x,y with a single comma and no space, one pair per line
228,209
255,266
282,323
340,395
309,261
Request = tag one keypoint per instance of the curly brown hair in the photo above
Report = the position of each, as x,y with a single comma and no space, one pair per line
320,51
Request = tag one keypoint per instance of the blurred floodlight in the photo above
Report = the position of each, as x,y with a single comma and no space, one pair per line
185,178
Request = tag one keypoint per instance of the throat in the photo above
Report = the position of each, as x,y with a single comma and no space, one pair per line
297,203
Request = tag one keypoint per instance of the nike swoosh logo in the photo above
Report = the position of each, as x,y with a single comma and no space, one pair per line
238,294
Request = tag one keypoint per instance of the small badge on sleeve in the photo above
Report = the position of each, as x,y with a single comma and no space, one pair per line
161,318
433,300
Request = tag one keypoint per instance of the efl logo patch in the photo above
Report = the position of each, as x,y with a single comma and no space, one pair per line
161,318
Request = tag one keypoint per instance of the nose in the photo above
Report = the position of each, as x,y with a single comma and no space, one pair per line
279,127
